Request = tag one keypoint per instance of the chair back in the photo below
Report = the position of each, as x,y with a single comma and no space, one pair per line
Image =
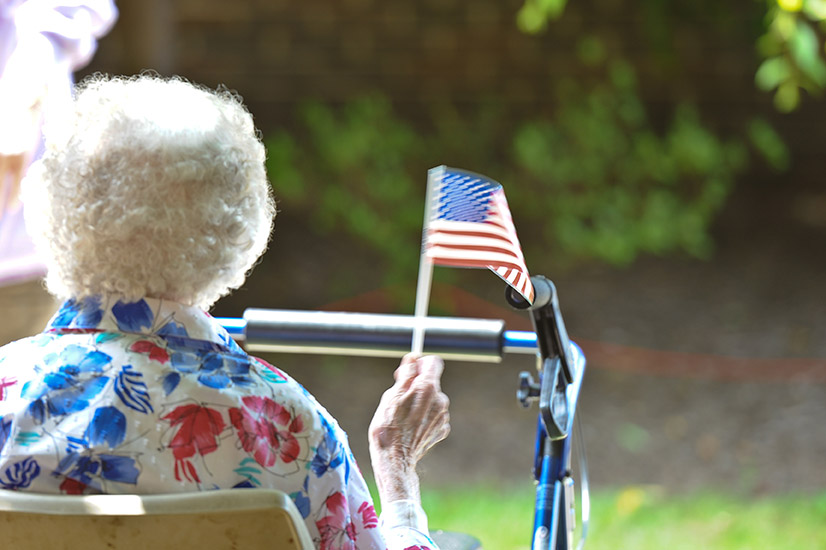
243,519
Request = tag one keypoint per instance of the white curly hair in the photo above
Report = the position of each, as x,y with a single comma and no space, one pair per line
150,187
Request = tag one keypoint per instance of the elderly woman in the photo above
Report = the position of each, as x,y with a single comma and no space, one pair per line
149,205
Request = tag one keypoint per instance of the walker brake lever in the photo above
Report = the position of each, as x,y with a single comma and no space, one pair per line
553,398
554,352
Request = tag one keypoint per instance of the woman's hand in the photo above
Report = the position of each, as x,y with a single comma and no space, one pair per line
411,417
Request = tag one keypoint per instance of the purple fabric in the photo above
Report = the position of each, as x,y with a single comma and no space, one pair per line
42,42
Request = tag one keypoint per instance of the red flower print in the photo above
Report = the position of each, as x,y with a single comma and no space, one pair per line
368,515
70,486
266,429
198,430
6,383
336,530
156,353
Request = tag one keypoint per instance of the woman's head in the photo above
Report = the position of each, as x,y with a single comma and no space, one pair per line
150,187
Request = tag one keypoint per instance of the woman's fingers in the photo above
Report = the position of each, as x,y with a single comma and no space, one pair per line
413,414
430,370
429,416
407,370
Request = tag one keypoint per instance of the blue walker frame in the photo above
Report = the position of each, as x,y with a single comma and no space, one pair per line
560,372
560,369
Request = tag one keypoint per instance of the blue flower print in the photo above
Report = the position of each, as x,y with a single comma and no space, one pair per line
329,455
301,500
132,390
20,474
70,400
134,316
82,465
107,426
214,369
119,468
170,382
74,359
71,386
5,430
230,342
85,313
88,468
173,328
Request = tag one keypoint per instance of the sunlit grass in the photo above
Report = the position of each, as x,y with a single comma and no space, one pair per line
641,518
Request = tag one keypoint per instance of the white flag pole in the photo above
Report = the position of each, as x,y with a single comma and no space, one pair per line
434,175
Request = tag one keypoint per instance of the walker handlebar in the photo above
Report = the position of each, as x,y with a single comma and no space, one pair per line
369,334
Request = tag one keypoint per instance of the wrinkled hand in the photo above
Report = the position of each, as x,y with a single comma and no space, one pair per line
411,417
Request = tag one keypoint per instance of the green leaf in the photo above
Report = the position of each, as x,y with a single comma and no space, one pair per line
534,15
769,144
790,5
530,18
784,24
815,9
805,49
622,76
591,50
772,73
284,176
787,97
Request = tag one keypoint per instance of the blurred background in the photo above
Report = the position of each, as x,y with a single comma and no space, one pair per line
664,165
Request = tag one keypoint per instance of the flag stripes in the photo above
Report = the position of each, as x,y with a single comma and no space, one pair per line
471,226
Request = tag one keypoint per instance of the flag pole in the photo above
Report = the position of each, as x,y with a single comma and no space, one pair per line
422,302
425,267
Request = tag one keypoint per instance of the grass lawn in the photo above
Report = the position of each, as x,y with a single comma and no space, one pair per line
640,518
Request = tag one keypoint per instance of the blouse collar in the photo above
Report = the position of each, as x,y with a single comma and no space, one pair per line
149,316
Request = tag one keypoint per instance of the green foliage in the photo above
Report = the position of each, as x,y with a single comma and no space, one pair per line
595,181
534,15
350,171
591,50
769,144
791,49
606,185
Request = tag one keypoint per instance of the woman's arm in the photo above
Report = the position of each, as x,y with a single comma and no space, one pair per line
411,417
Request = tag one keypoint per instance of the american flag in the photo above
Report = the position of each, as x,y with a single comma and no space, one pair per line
470,225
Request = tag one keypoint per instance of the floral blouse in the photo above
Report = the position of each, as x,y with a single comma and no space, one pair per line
155,397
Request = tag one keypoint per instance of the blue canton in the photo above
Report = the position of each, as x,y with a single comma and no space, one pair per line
464,197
